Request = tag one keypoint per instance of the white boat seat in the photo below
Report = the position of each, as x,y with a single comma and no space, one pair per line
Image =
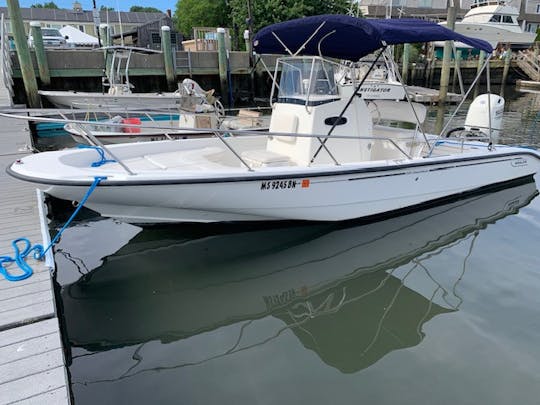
188,159
287,124
265,158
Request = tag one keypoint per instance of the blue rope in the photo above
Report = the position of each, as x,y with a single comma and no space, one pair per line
101,153
19,258
39,251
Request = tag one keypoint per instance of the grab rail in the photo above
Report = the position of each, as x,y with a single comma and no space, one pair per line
222,134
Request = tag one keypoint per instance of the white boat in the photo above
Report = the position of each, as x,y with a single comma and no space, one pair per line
119,129
496,22
380,81
189,96
322,160
158,127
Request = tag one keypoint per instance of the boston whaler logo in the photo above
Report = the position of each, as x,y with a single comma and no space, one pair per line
519,162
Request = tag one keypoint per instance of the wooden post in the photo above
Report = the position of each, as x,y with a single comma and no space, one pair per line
249,49
481,58
166,47
106,40
507,58
23,54
405,61
457,62
445,70
41,57
105,34
222,59
247,41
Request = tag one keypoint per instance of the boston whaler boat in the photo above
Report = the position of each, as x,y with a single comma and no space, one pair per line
322,160
189,96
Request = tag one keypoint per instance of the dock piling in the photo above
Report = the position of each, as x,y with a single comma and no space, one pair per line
23,54
405,61
481,58
41,56
166,47
222,60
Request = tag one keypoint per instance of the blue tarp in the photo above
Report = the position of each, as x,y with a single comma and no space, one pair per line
353,37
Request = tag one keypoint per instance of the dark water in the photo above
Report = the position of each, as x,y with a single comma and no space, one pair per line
437,306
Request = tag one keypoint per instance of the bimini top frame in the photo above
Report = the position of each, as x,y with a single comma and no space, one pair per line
351,38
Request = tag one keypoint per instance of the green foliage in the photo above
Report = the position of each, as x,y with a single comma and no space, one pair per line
144,9
104,8
50,4
200,13
267,12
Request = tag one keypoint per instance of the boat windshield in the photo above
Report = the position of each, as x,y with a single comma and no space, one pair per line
303,78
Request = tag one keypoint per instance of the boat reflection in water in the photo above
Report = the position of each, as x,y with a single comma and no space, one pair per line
344,290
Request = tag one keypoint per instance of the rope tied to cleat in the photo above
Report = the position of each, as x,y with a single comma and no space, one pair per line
38,251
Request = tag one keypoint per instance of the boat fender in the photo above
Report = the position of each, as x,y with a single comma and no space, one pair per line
130,129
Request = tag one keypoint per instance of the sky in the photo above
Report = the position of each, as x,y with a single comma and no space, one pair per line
123,5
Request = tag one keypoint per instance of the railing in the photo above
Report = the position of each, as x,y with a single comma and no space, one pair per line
7,70
222,134
530,64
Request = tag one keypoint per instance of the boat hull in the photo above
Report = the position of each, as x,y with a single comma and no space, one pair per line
309,194
72,99
494,34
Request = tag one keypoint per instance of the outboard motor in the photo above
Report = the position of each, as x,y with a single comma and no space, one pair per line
478,115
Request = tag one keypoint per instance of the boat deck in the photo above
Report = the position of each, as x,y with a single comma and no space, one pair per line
32,364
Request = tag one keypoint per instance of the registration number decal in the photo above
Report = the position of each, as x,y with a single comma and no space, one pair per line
284,184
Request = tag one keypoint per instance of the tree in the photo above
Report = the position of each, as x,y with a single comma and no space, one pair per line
50,4
266,12
200,13
144,9
104,8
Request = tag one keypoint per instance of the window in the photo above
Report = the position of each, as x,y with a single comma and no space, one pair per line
538,9
507,19
156,39
302,77
495,18
81,28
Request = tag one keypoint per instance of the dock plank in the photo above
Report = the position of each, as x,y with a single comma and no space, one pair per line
29,388
12,336
29,348
38,364
32,363
57,396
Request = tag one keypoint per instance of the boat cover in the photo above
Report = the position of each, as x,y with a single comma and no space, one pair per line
351,38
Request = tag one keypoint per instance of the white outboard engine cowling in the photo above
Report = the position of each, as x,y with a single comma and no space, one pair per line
478,115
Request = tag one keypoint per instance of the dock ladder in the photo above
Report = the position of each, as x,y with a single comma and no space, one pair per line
183,61
7,70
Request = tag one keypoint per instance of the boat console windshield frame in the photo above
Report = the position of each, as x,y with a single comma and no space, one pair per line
306,80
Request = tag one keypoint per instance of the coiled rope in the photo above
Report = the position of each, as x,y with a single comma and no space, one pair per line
38,250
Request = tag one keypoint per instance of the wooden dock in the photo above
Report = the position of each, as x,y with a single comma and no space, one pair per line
32,363
426,95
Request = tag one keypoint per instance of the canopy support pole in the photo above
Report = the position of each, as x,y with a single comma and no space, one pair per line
465,96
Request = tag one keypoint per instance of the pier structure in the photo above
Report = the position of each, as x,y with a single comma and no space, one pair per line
32,360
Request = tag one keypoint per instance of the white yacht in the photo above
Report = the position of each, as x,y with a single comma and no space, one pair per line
494,21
